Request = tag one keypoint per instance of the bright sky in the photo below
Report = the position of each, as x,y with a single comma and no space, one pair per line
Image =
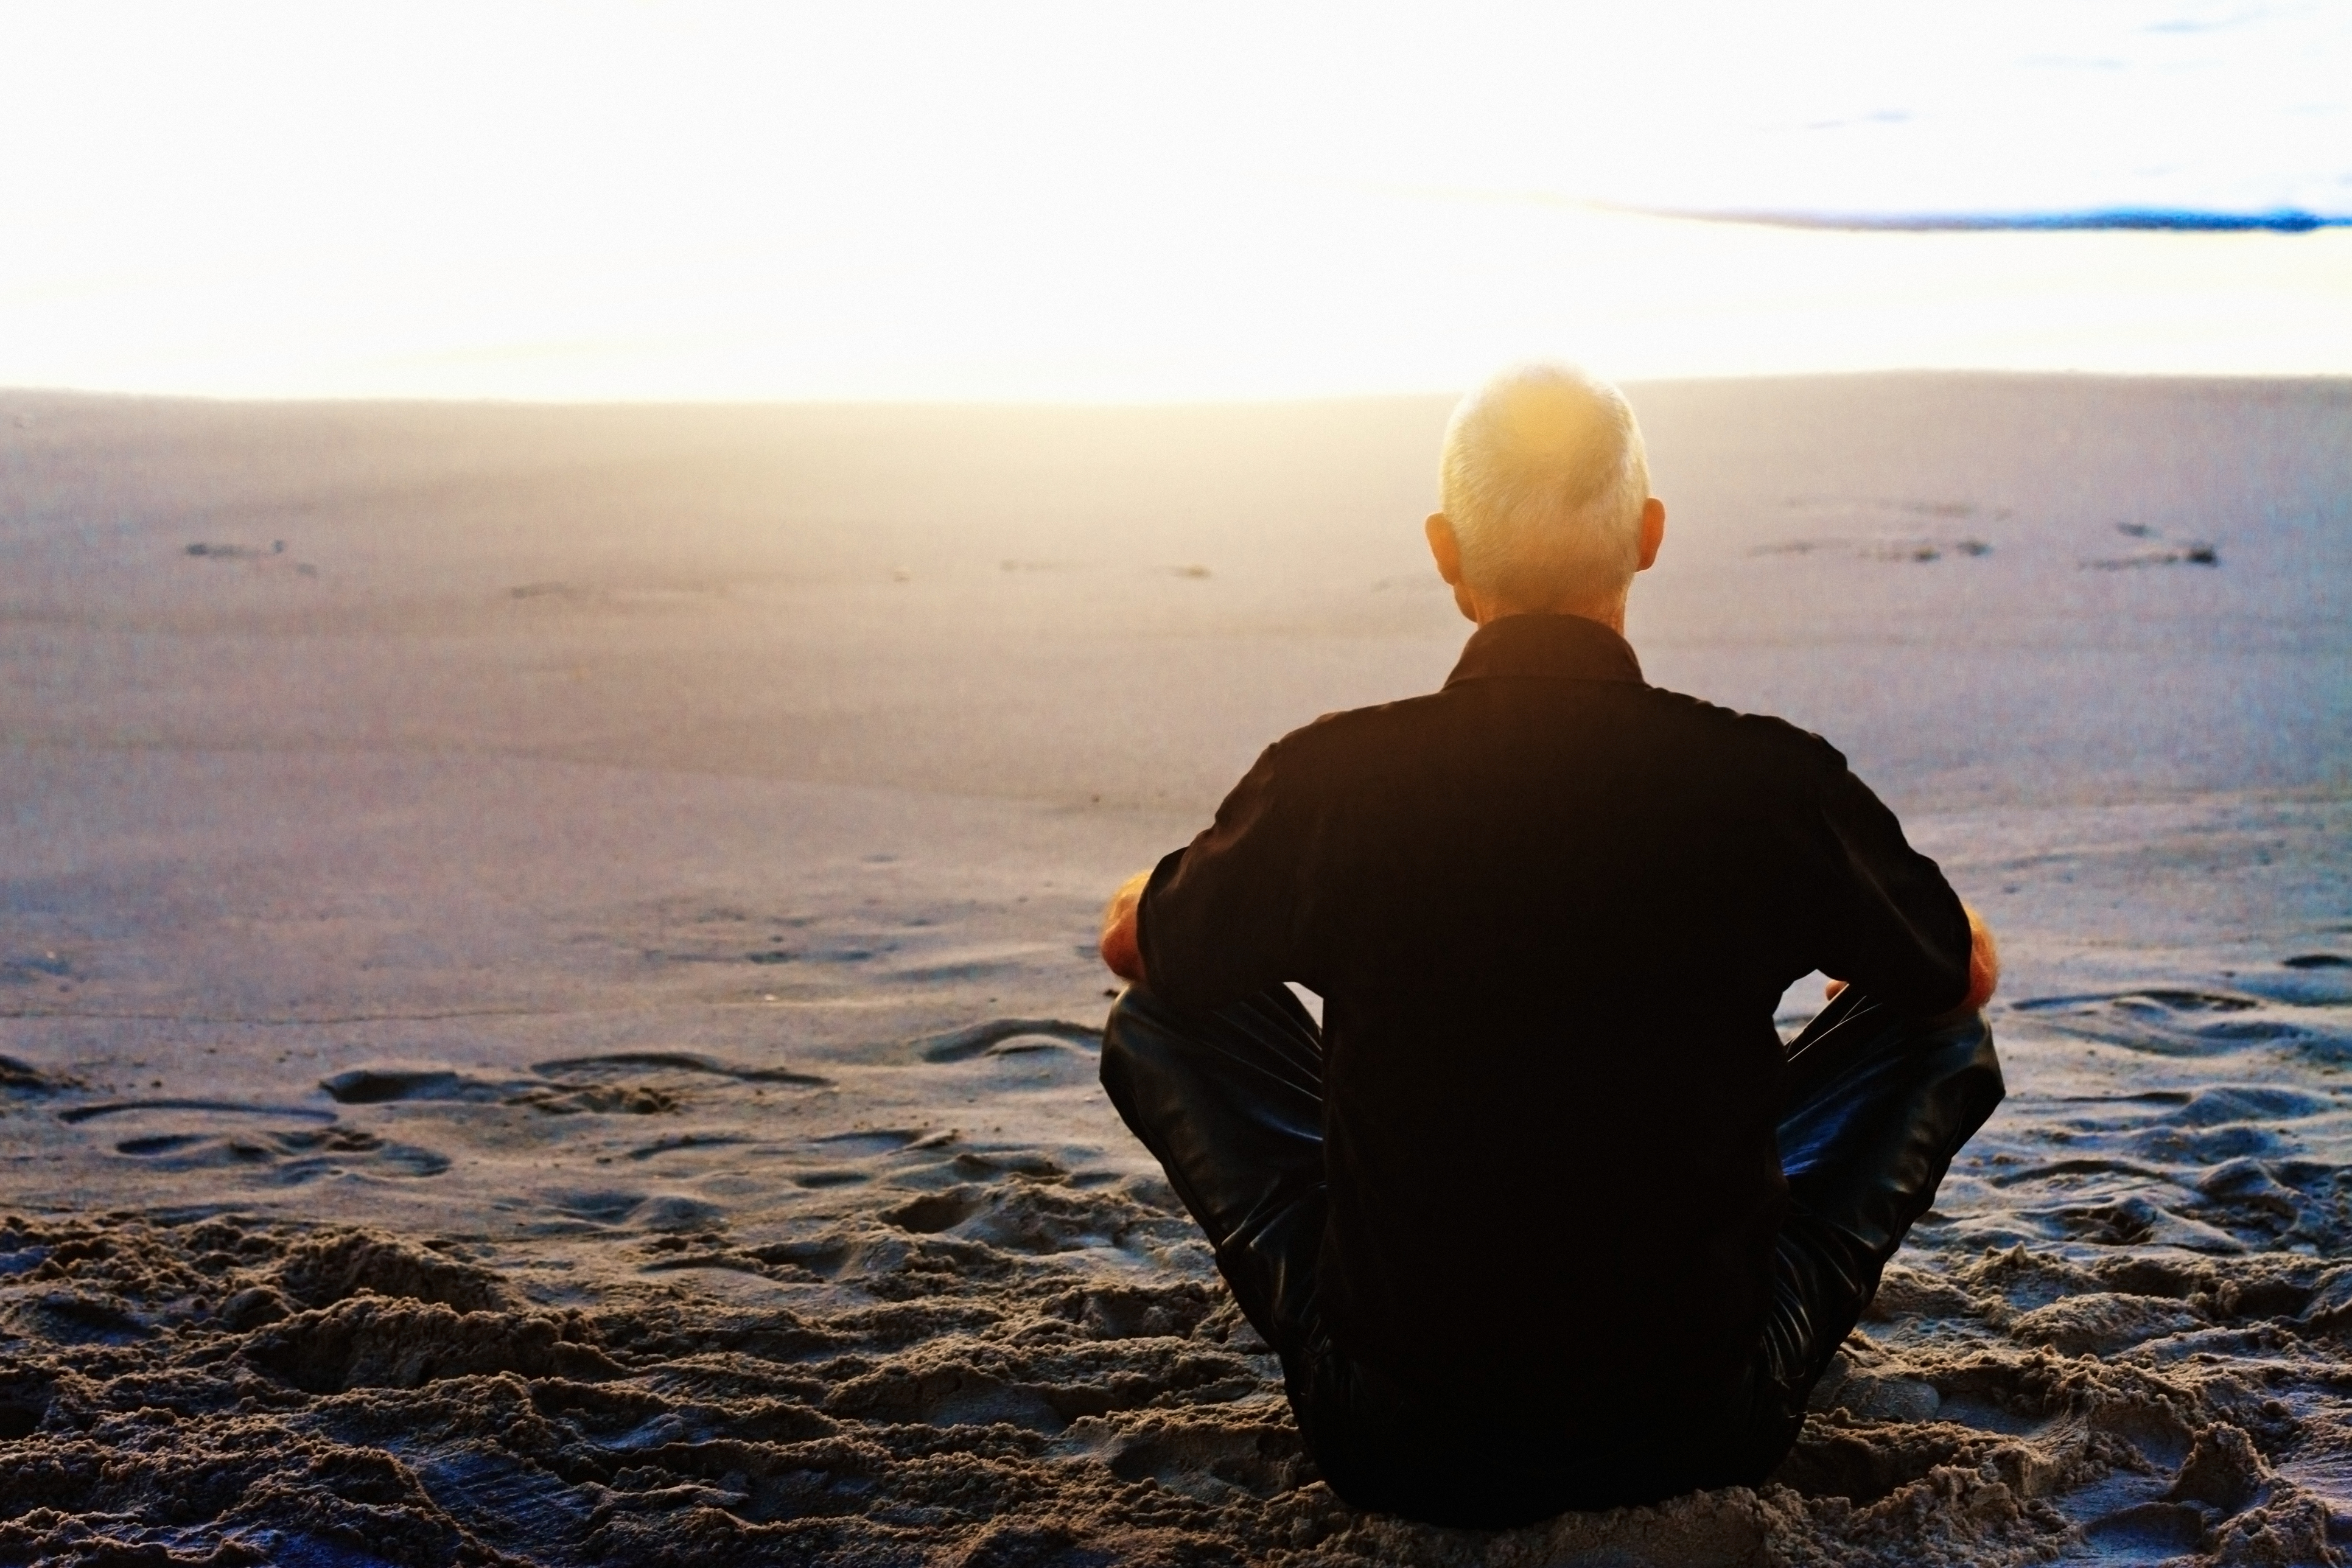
1008,201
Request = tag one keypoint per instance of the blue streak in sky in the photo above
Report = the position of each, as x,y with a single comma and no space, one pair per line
2276,220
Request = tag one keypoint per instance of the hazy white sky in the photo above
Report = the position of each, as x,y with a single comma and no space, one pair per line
1077,200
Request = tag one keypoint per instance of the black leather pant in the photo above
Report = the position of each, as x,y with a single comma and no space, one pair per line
1231,1104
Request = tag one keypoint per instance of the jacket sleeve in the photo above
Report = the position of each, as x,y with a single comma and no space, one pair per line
1219,918
1888,921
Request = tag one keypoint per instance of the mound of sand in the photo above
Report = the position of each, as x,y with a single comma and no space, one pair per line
2122,1330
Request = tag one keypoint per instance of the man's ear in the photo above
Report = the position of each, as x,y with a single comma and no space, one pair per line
1654,532
1444,547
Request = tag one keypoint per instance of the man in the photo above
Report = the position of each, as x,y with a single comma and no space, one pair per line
1516,1216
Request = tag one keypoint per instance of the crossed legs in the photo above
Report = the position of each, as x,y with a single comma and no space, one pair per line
1230,1102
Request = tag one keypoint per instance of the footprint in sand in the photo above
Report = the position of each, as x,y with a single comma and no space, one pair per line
199,1134
74,1115
1035,1062
625,1208
830,1178
616,1084
381,1086
2226,1168
861,1155
961,1044
641,1083
1209,1460
23,1077
389,1086
683,1141
2317,983
618,1062
1030,1217
2311,1017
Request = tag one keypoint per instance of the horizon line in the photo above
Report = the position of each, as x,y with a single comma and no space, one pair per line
12,394
2194,220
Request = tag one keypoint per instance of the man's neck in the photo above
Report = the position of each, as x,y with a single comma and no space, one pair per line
1610,615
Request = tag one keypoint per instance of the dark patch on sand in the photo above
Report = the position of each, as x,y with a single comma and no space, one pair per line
961,1044
675,1061
286,1157
377,1085
2178,553
31,969
23,1078
214,1106
1919,551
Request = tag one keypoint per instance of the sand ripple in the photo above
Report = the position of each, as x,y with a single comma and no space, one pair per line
2122,1334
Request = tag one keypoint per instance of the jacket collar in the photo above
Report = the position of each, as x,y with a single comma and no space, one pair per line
1558,648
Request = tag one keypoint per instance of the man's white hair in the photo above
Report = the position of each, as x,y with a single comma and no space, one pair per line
1543,479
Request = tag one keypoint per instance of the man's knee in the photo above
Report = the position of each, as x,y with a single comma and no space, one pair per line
1122,1051
1135,1041
1147,1055
1948,1064
1968,1068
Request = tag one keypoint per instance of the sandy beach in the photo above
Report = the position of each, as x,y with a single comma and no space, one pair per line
548,1011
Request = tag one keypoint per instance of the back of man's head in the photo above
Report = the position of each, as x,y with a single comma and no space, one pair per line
1543,479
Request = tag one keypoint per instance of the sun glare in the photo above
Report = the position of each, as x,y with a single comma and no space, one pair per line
628,201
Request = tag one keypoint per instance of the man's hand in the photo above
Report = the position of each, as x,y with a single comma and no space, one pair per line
1118,945
1984,963
1984,967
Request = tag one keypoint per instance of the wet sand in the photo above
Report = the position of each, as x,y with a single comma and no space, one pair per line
546,990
